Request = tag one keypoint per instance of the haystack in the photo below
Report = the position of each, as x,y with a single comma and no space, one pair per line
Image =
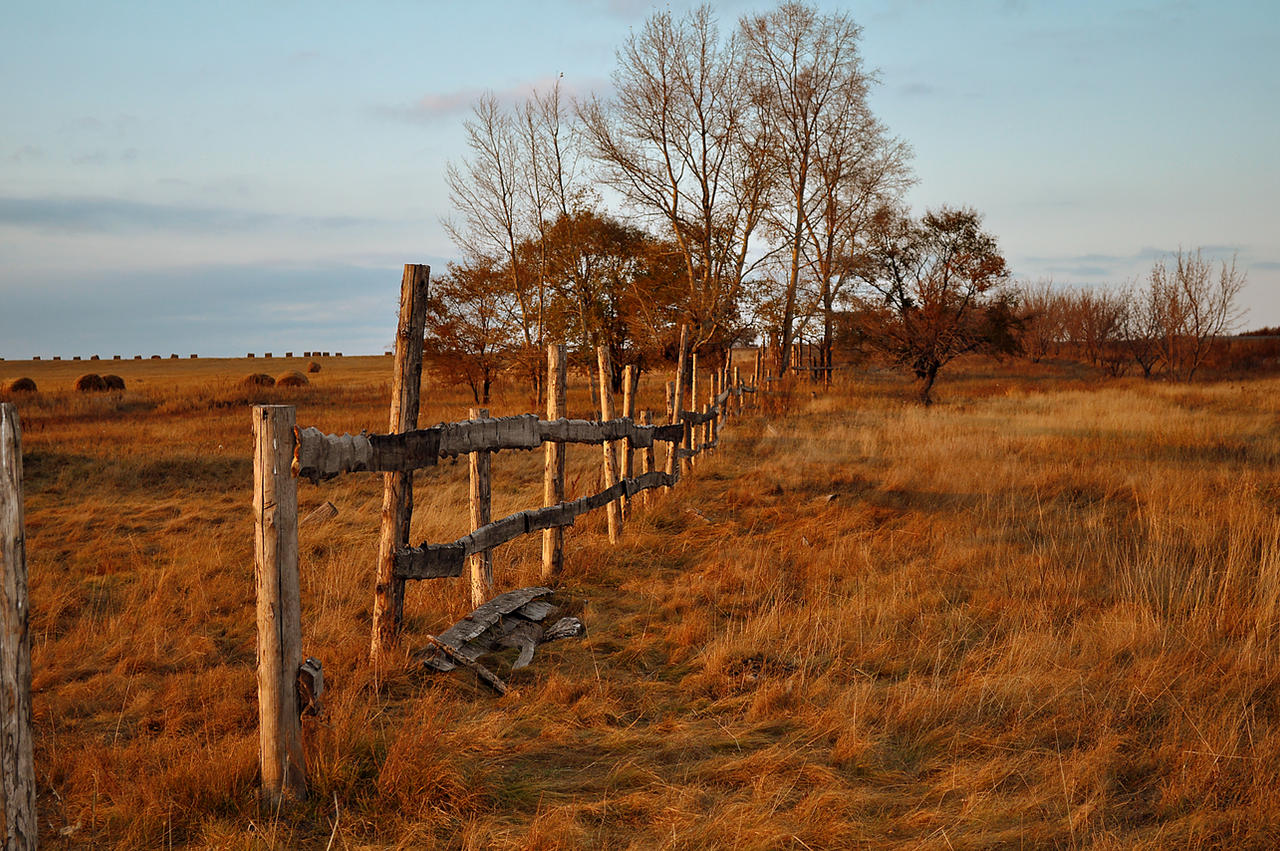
292,378
20,385
91,382
114,382
257,379
313,367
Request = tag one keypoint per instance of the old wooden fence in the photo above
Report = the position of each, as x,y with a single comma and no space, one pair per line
284,453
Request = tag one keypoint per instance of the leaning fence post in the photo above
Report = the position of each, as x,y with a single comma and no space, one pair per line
610,457
553,474
17,761
275,509
481,563
397,489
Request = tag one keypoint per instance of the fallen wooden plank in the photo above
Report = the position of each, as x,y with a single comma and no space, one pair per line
514,619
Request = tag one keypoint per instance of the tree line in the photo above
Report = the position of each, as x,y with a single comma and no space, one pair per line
756,199
1163,325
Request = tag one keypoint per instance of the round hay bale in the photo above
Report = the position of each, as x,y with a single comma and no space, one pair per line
114,382
257,379
292,378
91,382
20,385
313,367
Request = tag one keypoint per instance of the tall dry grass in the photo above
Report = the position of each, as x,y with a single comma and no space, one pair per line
1038,614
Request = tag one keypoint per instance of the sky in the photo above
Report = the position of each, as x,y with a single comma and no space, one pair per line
232,177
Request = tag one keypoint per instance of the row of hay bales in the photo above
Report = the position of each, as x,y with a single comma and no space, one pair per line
191,357
88,383
94,383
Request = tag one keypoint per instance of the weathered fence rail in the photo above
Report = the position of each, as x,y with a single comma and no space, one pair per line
321,456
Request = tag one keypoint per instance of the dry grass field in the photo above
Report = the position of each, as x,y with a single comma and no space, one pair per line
1042,613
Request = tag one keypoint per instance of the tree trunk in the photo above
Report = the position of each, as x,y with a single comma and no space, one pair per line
926,390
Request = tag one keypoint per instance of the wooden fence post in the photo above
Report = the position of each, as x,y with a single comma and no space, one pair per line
610,456
692,437
677,400
553,474
737,390
17,761
275,508
481,563
759,376
647,459
628,411
397,491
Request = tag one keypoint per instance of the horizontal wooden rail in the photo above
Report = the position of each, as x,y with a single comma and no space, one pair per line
694,418
436,561
322,456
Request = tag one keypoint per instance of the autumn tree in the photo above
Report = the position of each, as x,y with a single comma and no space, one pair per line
470,326
934,289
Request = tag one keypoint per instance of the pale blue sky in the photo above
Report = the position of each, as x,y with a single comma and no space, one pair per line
246,176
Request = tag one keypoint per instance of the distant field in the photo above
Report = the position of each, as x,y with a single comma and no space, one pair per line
1045,612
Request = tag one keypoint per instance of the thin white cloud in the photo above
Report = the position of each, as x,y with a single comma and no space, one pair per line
434,106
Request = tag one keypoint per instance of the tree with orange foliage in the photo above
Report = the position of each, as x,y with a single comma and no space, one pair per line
471,332
935,289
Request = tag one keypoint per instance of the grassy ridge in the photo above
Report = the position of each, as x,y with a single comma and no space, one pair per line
1038,614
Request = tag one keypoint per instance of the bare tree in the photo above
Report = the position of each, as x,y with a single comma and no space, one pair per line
1143,325
807,78
1195,306
859,170
1095,323
1044,311
486,190
679,142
